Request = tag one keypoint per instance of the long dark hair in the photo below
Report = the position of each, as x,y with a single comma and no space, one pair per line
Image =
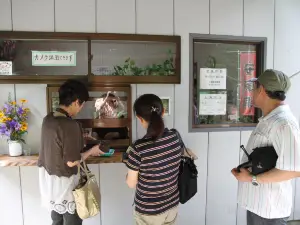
150,108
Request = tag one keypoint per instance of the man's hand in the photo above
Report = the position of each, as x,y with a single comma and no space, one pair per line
95,151
244,175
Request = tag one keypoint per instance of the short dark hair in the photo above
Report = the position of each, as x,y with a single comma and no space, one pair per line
150,108
72,90
276,95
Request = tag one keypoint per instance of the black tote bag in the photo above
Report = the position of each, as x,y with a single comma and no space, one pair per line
188,173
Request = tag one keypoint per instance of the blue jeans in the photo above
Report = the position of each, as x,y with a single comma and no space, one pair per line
253,219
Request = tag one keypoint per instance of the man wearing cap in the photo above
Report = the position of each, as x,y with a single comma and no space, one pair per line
267,197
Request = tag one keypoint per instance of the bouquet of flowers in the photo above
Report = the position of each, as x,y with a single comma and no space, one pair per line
13,117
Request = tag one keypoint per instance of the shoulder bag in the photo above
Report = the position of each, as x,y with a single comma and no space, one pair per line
188,173
87,194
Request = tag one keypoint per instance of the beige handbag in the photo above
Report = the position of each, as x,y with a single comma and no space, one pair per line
87,194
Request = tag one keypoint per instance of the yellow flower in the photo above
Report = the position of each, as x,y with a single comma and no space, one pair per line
23,128
1,114
13,103
26,110
9,119
23,100
4,119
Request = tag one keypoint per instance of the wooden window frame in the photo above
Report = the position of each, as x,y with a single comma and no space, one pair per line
90,78
98,123
261,44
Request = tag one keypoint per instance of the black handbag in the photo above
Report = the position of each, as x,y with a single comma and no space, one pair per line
261,160
188,174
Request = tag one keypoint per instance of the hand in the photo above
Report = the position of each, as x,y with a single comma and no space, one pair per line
244,175
95,151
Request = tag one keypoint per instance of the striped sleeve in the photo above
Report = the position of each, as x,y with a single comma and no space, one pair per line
134,159
286,141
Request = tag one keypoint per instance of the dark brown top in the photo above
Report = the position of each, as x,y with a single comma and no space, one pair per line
62,141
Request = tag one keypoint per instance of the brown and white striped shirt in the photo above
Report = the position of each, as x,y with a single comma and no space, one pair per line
279,129
158,166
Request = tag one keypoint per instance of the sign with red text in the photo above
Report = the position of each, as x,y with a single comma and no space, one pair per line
247,72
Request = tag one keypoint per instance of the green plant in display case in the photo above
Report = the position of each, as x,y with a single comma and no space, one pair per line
206,119
130,68
246,119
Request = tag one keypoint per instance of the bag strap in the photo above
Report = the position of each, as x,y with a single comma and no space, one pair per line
84,169
181,142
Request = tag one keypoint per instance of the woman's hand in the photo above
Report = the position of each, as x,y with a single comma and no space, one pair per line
95,151
132,178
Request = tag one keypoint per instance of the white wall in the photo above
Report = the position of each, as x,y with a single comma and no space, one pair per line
215,202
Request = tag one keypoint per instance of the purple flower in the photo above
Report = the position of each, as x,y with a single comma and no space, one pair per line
2,130
20,110
12,123
17,126
7,133
8,108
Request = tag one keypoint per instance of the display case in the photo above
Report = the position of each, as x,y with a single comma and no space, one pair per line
42,58
106,116
51,58
221,96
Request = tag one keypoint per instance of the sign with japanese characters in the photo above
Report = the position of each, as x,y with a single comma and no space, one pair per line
213,78
212,104
53,58
5,67
247,72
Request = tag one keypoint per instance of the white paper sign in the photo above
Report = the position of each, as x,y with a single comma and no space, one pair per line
53,58
5,68
212,104
101,70
213,78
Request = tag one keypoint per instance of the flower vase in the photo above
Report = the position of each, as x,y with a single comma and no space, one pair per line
14,148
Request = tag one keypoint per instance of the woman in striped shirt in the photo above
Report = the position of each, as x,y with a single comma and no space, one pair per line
153,166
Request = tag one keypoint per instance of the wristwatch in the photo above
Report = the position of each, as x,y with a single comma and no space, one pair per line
254,181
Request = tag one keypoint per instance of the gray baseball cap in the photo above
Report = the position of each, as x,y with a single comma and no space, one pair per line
273,80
